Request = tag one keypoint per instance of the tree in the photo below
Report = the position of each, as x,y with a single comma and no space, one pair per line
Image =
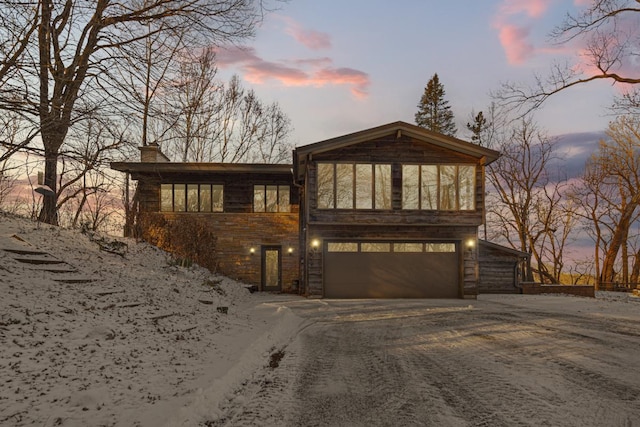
608,30
69,49
434,112
528,210
478,128
610,202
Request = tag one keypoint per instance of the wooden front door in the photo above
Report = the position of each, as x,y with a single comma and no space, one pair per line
271,268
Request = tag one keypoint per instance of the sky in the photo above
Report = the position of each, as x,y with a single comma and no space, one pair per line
340,66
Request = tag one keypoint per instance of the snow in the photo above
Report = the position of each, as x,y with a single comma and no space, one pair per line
142,344
148,343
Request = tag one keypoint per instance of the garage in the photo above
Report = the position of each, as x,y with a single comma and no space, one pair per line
391,270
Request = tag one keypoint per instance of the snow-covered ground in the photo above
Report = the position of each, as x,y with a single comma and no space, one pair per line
145,342
134,340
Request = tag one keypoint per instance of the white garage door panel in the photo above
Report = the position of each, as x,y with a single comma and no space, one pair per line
391,275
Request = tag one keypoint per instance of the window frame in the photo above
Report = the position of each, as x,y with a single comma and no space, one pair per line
457,193
185,203
330,185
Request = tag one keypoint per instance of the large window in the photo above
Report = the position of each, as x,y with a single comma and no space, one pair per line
354,186
271,198
438,187
191,198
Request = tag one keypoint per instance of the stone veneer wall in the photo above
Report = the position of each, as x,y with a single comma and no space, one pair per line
235,235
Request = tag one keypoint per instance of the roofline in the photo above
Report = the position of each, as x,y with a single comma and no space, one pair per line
159,167
403,127
504,248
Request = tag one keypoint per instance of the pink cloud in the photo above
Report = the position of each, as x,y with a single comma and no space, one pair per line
514,38
233,55
314,72
531,8
358,80
312,39
515,44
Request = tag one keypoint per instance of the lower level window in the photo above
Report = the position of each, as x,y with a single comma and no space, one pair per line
191,197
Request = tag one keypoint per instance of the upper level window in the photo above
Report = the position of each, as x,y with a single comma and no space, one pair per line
438,187
354,186
271,198
191,197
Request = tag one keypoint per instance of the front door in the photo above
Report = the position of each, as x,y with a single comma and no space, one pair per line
271,268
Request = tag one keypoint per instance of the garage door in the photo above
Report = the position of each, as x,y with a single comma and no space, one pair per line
391,270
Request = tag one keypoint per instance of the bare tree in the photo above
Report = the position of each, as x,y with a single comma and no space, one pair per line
529,212
194,101
609,200
224,123
68,49
609,32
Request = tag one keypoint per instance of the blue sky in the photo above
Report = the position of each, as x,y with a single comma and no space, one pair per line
342,66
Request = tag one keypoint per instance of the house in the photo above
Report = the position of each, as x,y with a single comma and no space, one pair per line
388,212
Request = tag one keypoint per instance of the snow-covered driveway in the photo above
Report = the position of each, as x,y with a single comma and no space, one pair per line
498,361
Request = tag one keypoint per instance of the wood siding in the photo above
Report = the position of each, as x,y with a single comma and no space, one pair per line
238,228
498,271
397,153
395,224
236,234
238,188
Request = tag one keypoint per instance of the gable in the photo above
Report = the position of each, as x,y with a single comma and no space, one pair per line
398,141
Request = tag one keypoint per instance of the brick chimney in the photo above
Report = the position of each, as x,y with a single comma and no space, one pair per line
151,154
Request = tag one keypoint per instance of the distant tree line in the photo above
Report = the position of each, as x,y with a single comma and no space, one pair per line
84,83
532,206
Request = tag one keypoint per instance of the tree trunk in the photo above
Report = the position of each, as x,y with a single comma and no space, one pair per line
49,211
617,240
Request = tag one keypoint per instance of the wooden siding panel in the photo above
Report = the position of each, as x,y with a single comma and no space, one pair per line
236,234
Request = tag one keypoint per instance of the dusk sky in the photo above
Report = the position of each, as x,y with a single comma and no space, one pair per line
340,66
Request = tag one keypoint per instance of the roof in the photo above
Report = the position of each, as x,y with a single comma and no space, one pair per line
504,249
170,167
396,128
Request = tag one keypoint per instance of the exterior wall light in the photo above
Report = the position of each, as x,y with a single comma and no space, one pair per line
252,251
471,243
315,244
290,251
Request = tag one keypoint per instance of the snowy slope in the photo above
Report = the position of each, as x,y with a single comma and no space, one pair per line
143,343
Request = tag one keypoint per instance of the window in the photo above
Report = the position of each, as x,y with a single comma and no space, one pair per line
440,247
375,247
271,198
326,190
438,187
191,197
407,247
467,187
354,186
342,247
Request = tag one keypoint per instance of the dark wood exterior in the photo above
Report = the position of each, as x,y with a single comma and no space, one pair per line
239,235
397,143
238,232
502,269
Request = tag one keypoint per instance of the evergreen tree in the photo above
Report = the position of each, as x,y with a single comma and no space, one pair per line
477,128
434,112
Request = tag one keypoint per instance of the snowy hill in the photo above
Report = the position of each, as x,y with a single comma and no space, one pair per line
96,331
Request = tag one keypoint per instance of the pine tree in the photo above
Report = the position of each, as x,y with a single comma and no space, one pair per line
434,112
477,128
